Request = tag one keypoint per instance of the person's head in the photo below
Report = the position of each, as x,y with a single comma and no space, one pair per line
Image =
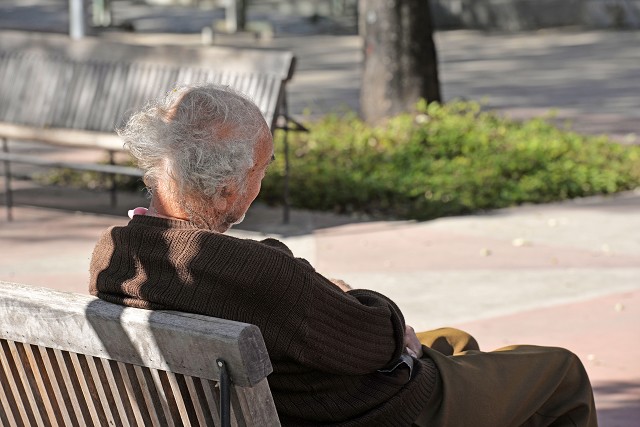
204,150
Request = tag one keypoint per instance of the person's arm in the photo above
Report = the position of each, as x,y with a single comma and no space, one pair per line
337,329
411,342
352,333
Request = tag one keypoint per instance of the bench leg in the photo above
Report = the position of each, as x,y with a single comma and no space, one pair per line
287,167
287,171
7,182
112,182
225,394
288,124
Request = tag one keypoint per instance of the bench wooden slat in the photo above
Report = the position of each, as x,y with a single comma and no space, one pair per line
62,137
133,399
28,92
102,394
93,167
5,66
75,95
212,398
193,392
118,400
11,388
113,88
148,399
7,416
40,382
61,408
61,95
86,86
47,88
15,86
65,382
128,92
86,376
87,402
24,384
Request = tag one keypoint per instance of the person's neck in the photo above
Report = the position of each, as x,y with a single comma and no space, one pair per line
162,210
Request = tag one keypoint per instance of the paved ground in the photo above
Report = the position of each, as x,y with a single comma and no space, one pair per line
561,274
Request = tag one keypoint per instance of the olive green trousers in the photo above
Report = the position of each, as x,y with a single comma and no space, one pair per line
512,386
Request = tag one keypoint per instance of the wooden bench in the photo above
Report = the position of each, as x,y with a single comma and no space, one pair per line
74,360
75,93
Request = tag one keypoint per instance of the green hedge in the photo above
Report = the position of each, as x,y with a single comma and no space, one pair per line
445,160
442,160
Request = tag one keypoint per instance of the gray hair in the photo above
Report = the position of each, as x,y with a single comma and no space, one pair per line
201,136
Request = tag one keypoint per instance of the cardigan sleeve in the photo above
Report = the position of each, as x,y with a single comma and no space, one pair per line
345,333
351,333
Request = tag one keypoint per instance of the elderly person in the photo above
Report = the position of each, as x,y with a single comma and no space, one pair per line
341,356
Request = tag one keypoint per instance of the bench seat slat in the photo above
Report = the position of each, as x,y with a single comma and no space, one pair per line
40,382
212,398
193,393
115,392
67,382
26,386
132,399
166,411
79,375
13,387
61,407
6,409
87,95
100,392
15,88
102,388
148,399
178,398
114,89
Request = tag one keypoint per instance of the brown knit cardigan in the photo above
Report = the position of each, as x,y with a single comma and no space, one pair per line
326,346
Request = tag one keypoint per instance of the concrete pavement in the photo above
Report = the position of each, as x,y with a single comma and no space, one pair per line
563,274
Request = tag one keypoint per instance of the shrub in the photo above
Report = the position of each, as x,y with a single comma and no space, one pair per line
445,160
442,160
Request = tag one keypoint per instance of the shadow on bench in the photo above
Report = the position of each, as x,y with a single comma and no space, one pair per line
71,359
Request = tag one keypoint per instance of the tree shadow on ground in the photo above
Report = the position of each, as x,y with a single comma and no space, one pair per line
618,403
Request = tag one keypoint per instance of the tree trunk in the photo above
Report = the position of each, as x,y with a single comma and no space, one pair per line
400,63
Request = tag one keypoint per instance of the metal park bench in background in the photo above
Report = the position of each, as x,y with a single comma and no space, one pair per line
74,93
71,359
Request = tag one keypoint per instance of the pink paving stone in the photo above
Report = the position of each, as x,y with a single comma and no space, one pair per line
605,334
379,248
50,248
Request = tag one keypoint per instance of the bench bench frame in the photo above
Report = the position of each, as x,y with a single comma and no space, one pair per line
261,74
67,358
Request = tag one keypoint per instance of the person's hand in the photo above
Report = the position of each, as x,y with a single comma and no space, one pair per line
411,342
341,284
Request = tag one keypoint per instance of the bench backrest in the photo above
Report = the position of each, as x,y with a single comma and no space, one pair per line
70,359
49,81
